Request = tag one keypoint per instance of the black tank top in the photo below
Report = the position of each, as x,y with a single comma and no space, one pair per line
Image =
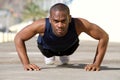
54,43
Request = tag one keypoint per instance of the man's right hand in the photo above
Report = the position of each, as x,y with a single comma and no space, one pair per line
31,67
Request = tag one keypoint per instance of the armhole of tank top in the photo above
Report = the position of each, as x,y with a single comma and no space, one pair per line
73,24
46,25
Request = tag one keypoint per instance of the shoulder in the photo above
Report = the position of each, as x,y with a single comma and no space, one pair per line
40,22
39,25
82,24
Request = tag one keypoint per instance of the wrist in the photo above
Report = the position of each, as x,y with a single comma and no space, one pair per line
26,63
96,63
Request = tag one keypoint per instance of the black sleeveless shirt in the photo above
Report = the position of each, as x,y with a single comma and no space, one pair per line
57,44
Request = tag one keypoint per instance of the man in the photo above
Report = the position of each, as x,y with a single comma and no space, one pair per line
58,36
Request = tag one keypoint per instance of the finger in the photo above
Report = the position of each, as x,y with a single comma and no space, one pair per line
32,67
36,68
87,68
98,69
27,69
93,69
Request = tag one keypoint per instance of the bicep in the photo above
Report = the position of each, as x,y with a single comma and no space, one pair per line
94,30
31,30
26,33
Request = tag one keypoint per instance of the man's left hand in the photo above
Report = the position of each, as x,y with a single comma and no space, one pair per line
92,67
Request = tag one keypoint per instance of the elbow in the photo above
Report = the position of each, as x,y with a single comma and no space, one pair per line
17,39
107,37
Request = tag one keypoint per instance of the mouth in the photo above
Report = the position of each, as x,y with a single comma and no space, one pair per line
59,30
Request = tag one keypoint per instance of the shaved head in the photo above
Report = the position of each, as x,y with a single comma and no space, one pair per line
60,7
60,18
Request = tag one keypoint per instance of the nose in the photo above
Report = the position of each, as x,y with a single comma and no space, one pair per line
60,24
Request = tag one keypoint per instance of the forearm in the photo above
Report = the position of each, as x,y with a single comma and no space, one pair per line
101,50
21,50
23,57
99,57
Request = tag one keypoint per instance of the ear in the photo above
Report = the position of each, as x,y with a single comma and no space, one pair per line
69,18
49,19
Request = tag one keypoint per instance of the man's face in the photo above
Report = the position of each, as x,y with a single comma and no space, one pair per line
60,22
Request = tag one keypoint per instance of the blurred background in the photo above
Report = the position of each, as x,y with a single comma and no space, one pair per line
16,14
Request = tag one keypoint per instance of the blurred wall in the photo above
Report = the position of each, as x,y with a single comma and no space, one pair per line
105,13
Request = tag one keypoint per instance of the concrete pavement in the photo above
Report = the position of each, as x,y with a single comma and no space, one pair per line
12,69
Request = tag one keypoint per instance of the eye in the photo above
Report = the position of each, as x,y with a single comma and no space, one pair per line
63,21
56,21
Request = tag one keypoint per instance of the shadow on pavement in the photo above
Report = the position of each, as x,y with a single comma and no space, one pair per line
80,66
109,68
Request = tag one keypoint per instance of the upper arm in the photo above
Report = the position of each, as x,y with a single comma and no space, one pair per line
31,30
92,30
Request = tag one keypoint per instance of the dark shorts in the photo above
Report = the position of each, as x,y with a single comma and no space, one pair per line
49,53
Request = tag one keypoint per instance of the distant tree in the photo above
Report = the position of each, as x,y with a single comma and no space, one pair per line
33,11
